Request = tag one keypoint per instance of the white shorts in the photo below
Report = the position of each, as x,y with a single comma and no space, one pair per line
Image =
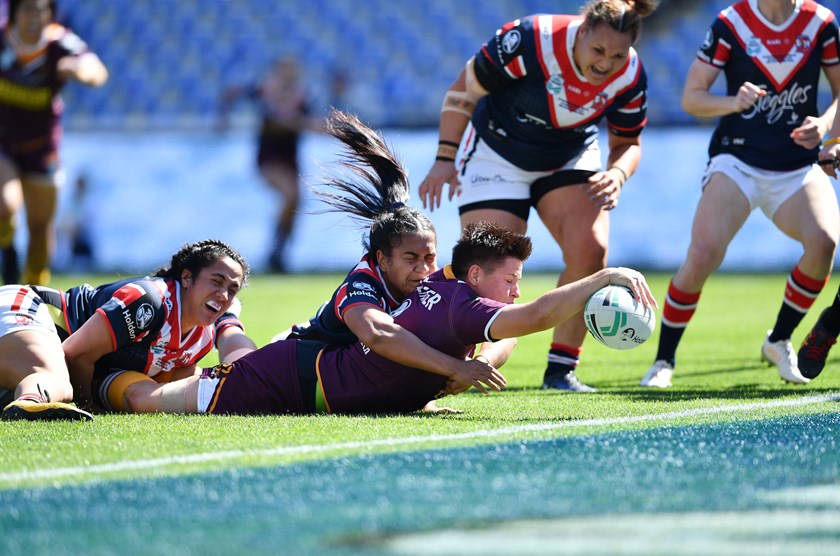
206,390
22,309
487,176
765,189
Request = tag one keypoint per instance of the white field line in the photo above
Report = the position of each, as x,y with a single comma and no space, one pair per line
107,468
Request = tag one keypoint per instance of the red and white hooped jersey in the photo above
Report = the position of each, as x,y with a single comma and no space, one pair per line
541,110
785,60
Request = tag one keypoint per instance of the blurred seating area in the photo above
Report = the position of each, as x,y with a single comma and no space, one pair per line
170,59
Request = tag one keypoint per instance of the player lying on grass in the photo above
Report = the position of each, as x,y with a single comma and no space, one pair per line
34,380
159,326
468,302
400,250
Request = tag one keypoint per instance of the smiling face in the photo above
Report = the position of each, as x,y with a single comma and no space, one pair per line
600,51
501,284
209,294
409,262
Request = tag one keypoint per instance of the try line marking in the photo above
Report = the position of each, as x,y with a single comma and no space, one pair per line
106,468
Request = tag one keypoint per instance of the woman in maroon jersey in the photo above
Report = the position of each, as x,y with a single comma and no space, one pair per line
38,58
466,303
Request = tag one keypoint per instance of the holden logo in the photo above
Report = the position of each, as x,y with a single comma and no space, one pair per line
143,316
363,286
510,41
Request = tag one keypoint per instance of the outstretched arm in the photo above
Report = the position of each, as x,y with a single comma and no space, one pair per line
85,68
557,305
377,330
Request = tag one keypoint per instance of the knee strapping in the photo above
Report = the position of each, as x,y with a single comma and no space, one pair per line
113,389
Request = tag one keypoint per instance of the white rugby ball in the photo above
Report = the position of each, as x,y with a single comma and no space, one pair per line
616,319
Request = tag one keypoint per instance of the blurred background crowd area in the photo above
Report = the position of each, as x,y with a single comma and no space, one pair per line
390,61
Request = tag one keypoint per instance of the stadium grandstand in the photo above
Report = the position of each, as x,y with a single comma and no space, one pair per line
170,59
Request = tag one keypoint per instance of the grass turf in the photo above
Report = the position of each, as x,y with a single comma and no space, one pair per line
718,364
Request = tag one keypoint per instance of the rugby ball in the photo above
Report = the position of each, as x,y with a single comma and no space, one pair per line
616,319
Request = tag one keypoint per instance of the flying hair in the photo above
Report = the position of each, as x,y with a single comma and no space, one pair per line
378,197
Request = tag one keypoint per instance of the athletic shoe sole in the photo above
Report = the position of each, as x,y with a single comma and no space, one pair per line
47,411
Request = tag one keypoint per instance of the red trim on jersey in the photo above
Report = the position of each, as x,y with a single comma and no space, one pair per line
516,68
20,296
778,43
110,329
128,294
629,129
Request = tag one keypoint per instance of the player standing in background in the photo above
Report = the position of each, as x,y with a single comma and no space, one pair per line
763,153
813,352
519,128
37,57
285,115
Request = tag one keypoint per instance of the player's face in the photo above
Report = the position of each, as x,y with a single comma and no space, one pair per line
209,294
502,284
409,262
600,51
31,18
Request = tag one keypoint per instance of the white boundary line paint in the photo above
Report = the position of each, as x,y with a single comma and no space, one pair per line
106,468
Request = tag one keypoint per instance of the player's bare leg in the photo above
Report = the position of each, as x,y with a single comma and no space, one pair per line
41,201
284,180
581,229
11,200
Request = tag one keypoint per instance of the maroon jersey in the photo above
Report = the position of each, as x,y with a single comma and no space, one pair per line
443,312
30,104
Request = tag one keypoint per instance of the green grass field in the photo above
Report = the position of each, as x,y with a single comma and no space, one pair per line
730,459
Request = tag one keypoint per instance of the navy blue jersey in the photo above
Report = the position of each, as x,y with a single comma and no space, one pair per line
364,284
541,112
144,319
784,60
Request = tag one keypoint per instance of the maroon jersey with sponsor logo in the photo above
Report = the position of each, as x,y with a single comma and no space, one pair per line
445,314
30,103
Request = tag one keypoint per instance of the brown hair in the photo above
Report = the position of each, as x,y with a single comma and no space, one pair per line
487,245
625,16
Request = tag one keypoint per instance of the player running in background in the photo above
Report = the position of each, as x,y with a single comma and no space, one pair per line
285,115
763,154
519,128
37,57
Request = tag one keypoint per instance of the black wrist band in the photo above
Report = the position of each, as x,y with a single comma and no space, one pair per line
446,158
448,143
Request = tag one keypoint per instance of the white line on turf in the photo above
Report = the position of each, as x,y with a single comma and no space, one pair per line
107,468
